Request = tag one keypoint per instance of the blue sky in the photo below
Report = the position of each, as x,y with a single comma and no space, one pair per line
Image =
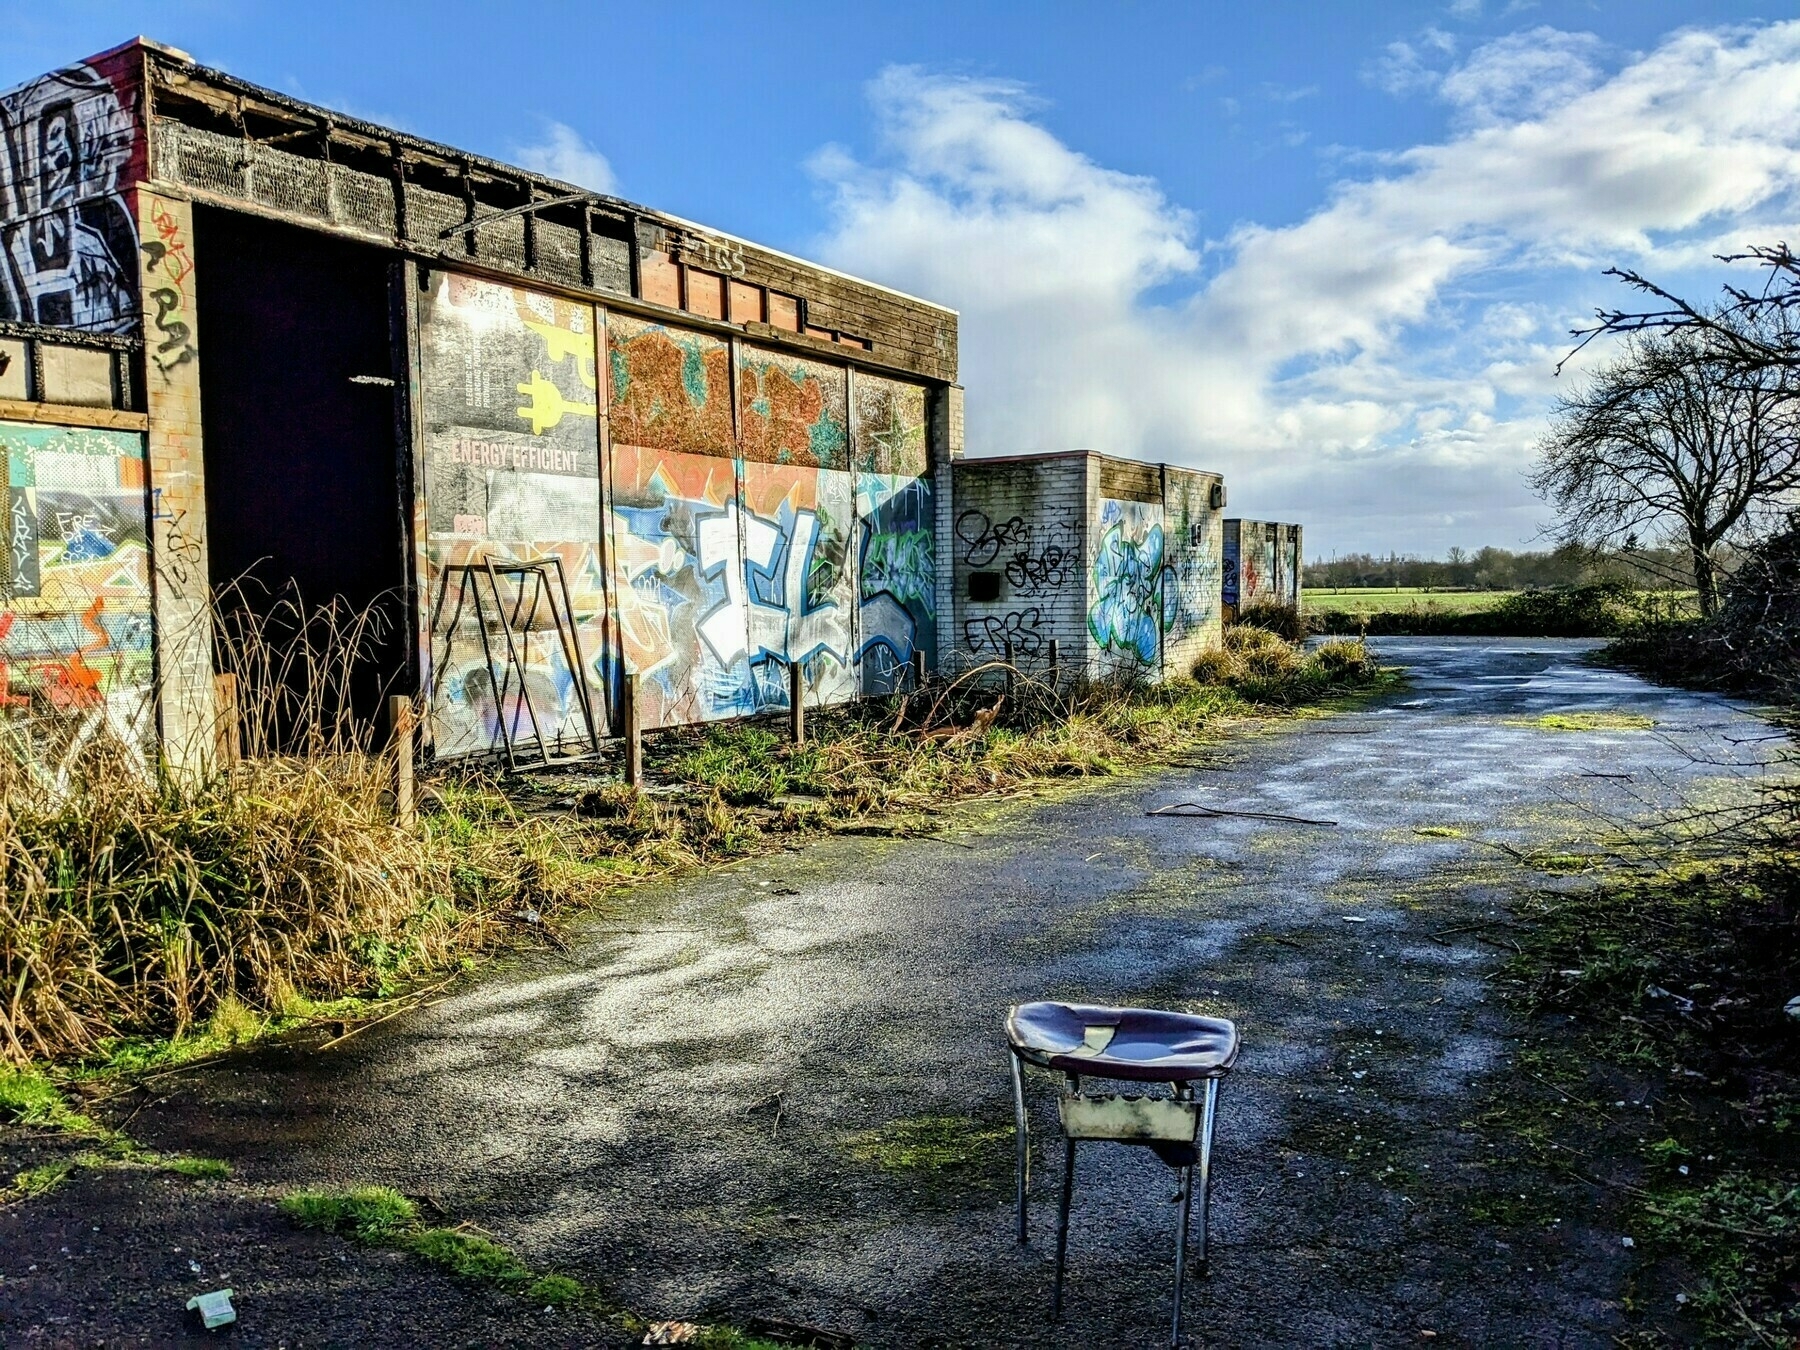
1330,249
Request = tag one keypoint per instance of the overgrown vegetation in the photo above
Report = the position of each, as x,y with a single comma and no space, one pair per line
1677,982
1751,645
145,919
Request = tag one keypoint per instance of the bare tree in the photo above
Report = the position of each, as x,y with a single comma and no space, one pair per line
1679,436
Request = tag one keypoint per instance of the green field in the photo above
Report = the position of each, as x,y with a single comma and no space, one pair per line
1376,599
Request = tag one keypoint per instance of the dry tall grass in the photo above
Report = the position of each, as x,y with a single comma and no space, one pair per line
136,904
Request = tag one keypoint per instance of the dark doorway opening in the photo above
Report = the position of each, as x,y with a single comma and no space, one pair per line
303,479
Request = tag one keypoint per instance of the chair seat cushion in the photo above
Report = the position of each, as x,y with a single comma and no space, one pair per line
1143,1045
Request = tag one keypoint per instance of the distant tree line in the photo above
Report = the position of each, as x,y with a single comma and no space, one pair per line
1498,569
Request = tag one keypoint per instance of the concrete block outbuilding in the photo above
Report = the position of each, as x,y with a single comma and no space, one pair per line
369,366
1262,565
1116,560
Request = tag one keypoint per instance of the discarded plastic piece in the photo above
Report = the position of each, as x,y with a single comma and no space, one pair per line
1793,1006
1355,918
673,1333
215,1308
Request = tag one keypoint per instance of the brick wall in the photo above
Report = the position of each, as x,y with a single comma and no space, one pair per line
1018,565
177,480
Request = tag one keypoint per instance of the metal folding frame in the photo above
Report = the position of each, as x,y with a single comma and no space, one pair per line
1197,1155
469,592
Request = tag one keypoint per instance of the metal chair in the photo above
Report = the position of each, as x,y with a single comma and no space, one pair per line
1140,1045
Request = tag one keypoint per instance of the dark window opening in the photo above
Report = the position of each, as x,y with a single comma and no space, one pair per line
984,586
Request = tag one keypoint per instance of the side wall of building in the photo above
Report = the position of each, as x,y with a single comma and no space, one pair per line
1194,532
1019,570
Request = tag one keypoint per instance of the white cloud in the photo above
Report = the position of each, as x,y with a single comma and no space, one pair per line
565,154
1411,67
1379,365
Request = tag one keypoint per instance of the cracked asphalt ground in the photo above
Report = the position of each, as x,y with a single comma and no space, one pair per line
692,1107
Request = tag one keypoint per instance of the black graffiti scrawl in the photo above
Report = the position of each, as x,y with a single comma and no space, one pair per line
68,243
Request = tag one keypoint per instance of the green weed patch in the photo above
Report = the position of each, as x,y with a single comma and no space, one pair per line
1678,981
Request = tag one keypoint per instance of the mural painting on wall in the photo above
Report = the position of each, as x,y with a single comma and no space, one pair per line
1127,614
75,656
670,389
889,426
510,396
68,241
678,574
792,411
896,577
800,535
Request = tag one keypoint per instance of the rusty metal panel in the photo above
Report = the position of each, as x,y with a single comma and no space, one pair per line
670,388
888,429
792,410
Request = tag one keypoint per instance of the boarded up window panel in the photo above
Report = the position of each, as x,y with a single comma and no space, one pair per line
823,334
784,312
746,303
15,369
81,376
705,294
77,573
670,388
659,280
792,411
890,426
512,471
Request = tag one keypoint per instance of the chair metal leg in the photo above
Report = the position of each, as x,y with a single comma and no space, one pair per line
1208,1117
1181,1246
1022,1131
1062,1226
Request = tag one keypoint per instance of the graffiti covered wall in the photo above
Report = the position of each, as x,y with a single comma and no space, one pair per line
75,650
1262,564
1193,537
792,411
1128,592
896,513
70,150
511,475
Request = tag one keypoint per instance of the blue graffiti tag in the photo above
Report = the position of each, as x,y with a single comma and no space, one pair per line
1128,587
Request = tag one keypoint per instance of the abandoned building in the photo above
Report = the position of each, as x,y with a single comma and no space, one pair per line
1115,561
562,436
1263,562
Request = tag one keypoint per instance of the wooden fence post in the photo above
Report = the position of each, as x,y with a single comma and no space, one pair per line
400,731
918,669
1054,662
227,734
796,703
1009,670
634,737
